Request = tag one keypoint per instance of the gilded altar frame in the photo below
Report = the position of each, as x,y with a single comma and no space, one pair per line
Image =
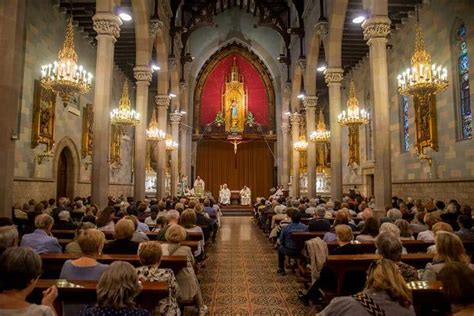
115,143
87,131
44,116
426,124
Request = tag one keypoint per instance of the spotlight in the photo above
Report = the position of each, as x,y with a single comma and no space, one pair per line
172,95
359,19
155,67
300,96
124,13
321,68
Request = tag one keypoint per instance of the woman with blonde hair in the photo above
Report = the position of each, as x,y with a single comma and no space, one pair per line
123,243
116,291
188,221
449,248
385,293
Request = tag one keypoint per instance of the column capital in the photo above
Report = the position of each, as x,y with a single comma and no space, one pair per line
333,75
295,118
322,29
142,74
162,100
172,62
285,128
376,27
310,101
183,85
302,63
175,118
156,25
107,24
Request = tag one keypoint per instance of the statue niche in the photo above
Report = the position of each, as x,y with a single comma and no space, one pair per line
234,101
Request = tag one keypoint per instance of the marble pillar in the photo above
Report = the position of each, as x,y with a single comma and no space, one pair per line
310,103
162,102
295,131
12,34
184,134
107,26
175,119
143,78
333,77
285,165
376,30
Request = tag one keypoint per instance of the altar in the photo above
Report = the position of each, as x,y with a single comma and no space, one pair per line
235,197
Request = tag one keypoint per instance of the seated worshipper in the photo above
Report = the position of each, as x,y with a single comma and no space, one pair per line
287,244
105,220
188,221
187,280
385,291
344,239
458,287
18,212
340,218
465,231
123,243
392,215
438,227
390,247
73,246
172,219
138,236
405,230
369,230
285,220
319,223
150,256
449,248
453,210
64,221
203,221
212,212
364,215
151,220
417,225
428,235
8,237
41,240
116,291
20,269
245,196
86,267
224,195
392,229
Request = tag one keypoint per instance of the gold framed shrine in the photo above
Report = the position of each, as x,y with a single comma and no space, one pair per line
234,101
44,115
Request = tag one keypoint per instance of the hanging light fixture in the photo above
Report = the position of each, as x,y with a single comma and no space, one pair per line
124,116
171,144
64,76
301,145
153,133
321,134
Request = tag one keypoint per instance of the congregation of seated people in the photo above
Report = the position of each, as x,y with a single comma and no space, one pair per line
349,228
124,227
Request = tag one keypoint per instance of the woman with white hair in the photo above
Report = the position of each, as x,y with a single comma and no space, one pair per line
391,229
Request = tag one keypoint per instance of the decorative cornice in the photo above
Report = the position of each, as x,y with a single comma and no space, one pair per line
333,75
175,117
376,27
162,100
142,74
322,29
310,101
107,24
172,62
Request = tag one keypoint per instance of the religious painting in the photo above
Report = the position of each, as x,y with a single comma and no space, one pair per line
44,109
87,131
354,156
426,123
116,142
234,101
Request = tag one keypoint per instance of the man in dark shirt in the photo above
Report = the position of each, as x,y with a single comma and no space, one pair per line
319,223
465,231
203,221
287,244
64,221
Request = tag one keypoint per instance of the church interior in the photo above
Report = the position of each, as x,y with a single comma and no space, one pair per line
236,157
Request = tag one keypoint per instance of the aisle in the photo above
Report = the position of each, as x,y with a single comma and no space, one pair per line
240,277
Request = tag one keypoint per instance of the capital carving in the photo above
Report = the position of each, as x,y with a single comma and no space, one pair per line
333,75
295,118
285,128
172,62
107,24
162,100
310,101
175,117
142,74
155,26
302,63
376,27
322,29
183,85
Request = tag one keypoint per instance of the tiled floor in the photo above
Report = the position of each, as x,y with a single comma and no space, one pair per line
240,277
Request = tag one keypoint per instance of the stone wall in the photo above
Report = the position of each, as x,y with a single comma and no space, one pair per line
453,164
45,27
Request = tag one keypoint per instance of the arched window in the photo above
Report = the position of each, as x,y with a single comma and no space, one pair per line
405,135
462,78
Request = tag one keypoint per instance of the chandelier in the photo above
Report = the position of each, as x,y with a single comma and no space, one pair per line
301,145
321,134
171,144
354,116
124,116
153,133
64,76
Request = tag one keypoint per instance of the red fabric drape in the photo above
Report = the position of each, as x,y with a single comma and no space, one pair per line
252,166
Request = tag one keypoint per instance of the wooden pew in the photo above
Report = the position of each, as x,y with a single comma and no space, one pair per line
306,220
70,233
53,262
428,298
190,243
301,237
84,292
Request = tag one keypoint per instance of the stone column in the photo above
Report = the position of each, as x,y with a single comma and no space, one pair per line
333,77
143,78
162,104
310,103
12,50
295,130
376,30
107,26
175,118
285,164
184,144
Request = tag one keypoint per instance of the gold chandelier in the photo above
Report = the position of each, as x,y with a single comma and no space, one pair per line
301,145
64,76
354,115
124,116
321,134
171,144
153,133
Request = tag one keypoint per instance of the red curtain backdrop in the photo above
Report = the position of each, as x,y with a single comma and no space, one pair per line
252,166
211,97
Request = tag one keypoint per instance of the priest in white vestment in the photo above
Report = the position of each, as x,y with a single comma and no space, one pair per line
224,195
245,196
199,187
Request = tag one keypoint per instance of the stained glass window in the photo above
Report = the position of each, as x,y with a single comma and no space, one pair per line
463,79
404,120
